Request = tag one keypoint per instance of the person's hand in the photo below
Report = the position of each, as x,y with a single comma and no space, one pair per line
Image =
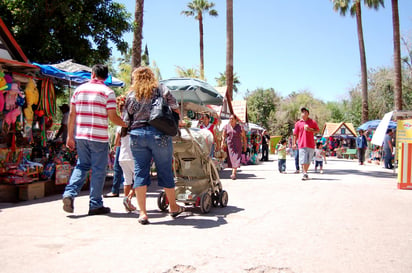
70,143
306,127
294,146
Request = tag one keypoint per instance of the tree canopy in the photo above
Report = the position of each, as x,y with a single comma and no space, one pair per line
53,31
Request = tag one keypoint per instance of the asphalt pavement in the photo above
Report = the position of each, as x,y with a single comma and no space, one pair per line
351,218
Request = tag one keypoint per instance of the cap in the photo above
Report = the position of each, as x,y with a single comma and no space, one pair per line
304,109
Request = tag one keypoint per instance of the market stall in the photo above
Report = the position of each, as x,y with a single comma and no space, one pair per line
20,176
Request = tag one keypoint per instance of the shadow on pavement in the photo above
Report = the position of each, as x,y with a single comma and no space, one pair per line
215,218
368,173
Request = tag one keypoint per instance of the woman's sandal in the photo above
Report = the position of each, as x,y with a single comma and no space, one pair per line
176,213
143,221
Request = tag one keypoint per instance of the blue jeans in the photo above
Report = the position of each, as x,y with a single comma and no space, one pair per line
117,173
297,165
387,157
91,155
282,165
147,143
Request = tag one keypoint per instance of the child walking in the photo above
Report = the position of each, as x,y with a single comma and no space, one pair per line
320,156
282,156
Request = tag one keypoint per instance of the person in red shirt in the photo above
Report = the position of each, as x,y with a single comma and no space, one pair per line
304,132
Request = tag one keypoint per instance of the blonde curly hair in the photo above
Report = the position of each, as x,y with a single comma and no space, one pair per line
144,81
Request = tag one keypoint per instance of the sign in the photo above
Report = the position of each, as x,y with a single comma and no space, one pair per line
380,132
404,140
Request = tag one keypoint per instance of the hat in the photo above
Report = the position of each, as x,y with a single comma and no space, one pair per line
304,109
64,107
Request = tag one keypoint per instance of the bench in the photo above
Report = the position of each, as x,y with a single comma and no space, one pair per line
350,153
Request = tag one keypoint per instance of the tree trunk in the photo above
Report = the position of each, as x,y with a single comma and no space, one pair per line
137,34
397,56
229,53
364,70
202,65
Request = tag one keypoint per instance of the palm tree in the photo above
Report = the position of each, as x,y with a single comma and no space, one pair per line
187,73
397,56
229,49
137,34
196,8
355,10
221,81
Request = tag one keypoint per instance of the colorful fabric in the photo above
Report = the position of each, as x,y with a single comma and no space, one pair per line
234,145
92,100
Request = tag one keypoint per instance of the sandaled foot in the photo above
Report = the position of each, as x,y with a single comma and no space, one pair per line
143,221
176,213
233,176
128,204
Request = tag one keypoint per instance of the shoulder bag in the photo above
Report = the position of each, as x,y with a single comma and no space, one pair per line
161,115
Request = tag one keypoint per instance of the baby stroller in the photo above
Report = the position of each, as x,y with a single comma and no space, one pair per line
196,177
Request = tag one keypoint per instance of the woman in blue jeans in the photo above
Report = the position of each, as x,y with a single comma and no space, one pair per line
146,142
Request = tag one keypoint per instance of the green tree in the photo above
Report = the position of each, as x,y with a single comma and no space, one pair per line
53,31
137,34
355,10
196,9
221,81
187,73
260,104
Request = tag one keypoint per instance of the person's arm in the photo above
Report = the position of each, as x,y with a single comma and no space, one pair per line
114,117
294,141
244,140
117,139
70,143
223,139
61,130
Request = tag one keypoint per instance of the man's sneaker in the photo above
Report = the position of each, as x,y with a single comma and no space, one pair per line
98,211
68,204
305,176
321,171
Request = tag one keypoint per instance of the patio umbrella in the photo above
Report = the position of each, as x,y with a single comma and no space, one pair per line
373,124
193,90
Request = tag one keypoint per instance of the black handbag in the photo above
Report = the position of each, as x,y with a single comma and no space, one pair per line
162,116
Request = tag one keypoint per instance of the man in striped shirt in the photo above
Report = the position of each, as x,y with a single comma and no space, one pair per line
91,104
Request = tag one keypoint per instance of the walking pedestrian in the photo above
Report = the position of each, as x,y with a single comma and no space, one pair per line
361,144
234,138
388,149
265,146
91,104
304,132
147,142
118,176
320,156
282,156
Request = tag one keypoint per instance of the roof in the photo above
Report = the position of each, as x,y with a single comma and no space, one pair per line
333,129
12,57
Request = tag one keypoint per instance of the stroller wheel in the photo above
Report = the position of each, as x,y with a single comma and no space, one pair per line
162,201
205,202
223,198
215,199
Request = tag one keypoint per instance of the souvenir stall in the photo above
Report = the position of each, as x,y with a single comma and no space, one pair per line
21,106
339,137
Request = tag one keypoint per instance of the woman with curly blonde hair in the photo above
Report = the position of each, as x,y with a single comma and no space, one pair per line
146,142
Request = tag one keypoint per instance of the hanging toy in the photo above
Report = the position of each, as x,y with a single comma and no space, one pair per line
11,116
11,96
47,98
32,98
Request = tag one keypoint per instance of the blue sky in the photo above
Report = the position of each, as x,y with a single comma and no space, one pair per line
286,45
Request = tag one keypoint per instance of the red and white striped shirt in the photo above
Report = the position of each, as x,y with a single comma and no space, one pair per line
92,100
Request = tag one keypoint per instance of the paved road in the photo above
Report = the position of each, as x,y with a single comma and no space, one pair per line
350,219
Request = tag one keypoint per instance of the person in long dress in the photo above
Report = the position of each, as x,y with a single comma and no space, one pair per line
234,138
